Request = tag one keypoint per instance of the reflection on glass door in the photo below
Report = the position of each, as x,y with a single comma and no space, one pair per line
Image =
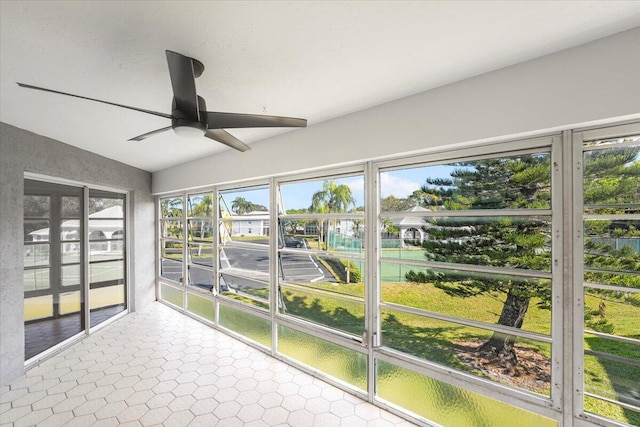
53,295
107,294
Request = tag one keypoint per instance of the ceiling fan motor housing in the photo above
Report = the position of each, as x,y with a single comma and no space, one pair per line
186,126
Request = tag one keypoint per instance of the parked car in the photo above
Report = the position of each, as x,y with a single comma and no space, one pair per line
292,242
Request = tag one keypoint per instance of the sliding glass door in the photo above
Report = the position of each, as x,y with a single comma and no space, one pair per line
66,240
107,291
53,295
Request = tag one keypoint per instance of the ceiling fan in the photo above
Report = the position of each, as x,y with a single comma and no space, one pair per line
189,115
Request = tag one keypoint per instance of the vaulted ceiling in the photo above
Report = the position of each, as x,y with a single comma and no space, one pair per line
317,60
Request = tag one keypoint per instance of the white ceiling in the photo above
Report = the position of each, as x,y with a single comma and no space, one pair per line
315,60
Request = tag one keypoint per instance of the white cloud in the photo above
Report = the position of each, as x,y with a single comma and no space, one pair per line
357,190
396,186
356,184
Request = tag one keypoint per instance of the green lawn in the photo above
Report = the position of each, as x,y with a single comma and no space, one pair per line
432,339
607,378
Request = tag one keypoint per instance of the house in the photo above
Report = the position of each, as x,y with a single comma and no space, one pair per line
386,86
255,223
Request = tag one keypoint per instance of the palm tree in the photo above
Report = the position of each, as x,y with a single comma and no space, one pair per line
171,208
332,198
241,206
356,227
202,209
385,224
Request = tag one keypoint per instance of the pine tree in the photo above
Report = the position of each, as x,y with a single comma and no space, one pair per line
611,176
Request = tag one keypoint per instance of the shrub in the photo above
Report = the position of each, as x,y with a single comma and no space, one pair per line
355,275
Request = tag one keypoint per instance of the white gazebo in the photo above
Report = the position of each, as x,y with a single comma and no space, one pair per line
411,227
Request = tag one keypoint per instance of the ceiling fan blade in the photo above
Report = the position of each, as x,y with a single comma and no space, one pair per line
234,120
184,84
226,138
155,113
148,134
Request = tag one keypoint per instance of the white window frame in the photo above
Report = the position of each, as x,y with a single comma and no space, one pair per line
574,167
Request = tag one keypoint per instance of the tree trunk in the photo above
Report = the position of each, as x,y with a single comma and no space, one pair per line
501,345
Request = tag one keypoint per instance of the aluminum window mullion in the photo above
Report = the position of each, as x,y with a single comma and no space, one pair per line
576,248
243,306
558,285
328,174
185,252
468,322
612,205
612,287
612,357
337,215
610,337
85,260
334,336
158,243
127,214
609,146
311,252
238,276
616,131
440,157
274,261
317,291
611,217
215,233
615,402
244,295
372,265
256,184
471,268
468,213
617,272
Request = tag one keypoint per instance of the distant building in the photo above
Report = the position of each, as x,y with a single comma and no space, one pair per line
254,223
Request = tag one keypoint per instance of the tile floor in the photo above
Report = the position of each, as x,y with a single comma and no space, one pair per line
43,334
158,367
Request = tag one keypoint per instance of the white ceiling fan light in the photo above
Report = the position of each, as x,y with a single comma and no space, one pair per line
189,132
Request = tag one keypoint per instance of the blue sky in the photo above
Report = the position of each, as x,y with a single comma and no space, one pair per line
399,183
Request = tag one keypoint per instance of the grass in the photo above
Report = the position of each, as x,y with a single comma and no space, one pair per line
432,339
347,316
608,378
420,336
250,238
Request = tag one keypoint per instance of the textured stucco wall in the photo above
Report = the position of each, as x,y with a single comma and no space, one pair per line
22,151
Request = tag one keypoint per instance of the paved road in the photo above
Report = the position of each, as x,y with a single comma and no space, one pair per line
245,266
